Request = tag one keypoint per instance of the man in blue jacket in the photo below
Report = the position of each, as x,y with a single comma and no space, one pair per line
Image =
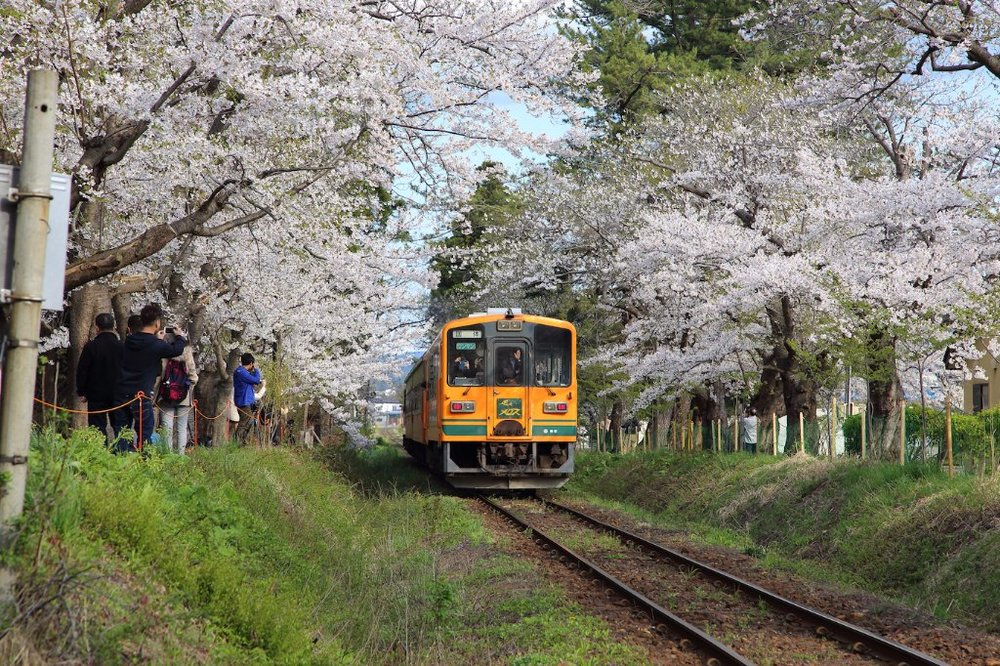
141,363
245,378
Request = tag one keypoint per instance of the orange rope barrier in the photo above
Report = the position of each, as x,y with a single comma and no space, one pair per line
210,418
140,396
86,411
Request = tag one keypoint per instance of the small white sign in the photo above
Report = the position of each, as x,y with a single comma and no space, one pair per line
55,248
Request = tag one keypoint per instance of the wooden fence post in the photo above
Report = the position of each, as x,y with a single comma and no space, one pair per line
864,421
902,431
802,432
947,436
737,444
718,433
832,427
774,433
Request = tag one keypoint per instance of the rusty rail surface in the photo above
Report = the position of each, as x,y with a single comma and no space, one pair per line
861,640
718,653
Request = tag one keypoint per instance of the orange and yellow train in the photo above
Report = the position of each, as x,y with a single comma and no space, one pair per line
493,402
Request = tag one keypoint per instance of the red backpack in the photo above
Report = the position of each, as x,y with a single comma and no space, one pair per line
175,382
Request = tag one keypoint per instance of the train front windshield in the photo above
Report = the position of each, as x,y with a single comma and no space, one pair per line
553,356
466,357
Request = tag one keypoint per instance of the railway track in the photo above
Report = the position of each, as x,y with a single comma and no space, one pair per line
622,574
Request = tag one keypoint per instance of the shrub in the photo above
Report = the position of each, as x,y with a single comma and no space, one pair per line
968,433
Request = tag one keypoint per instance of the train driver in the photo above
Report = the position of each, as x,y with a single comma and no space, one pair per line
511,371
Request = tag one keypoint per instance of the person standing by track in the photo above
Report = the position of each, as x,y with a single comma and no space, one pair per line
141,363
97,373
173,398
748,431
245,378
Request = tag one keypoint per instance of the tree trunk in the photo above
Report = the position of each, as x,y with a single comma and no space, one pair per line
798,388
121,304
661,426
617,413
709,403
682,416
218,389
883,406
770,397
85,304
884,394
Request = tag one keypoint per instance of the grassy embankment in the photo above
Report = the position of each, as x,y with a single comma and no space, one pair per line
906,531
246,556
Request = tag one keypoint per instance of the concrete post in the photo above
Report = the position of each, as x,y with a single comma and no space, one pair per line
30,236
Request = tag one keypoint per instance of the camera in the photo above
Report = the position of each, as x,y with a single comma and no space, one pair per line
170,329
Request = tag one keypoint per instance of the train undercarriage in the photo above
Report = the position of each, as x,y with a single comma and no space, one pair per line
516,465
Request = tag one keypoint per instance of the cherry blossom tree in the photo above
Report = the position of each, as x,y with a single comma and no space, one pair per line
756,230
249,146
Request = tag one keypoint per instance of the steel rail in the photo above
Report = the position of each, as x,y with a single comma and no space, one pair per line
719,653
861,640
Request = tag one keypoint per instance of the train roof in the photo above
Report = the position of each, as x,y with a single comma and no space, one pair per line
498,314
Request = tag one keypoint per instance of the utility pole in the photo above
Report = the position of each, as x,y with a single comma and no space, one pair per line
30,236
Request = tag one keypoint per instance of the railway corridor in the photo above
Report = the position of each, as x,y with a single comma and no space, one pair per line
756,625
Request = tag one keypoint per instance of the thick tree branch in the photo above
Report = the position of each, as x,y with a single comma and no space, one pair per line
147,243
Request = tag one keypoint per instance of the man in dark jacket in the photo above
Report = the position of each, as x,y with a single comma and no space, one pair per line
97,372
141,364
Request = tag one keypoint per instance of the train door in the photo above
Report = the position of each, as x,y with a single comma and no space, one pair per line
509,405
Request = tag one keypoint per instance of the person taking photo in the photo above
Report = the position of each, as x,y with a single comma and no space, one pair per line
141,363
245,378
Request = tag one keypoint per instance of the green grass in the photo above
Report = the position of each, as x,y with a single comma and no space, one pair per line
907,531
279,556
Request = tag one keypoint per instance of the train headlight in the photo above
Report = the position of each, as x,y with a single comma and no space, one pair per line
463,407
555,407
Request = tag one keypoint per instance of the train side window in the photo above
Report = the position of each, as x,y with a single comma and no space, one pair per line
509,364
466,356
553,356
432,376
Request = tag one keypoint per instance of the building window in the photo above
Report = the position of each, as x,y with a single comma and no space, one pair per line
980,397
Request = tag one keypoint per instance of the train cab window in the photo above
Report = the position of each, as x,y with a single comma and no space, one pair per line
509,364
432,375
553,356
466,356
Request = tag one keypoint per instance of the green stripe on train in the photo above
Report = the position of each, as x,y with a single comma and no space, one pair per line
464,430
553,430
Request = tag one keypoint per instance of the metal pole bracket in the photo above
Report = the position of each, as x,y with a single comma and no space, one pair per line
14,460
21,298
15,195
